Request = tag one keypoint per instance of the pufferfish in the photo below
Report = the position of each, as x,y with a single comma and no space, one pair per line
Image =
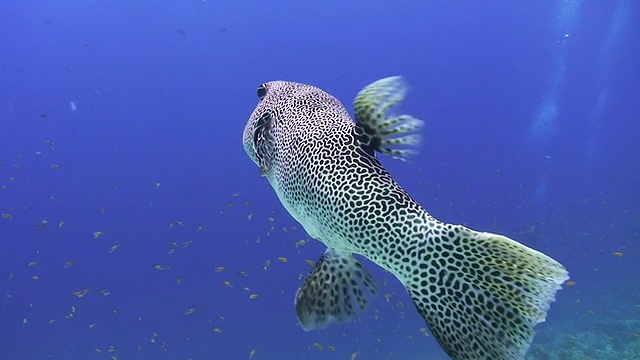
481,294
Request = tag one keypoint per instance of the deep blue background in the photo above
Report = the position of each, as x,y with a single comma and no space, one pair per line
532,114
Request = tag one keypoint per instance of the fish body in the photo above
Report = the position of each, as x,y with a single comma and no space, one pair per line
480,293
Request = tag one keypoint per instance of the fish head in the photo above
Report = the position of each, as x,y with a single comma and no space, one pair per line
283,108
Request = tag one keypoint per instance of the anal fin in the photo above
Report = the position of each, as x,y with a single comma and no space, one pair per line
331,290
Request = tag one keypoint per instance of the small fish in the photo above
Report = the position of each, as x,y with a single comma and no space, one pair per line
114,248
310,262
190,310
81,293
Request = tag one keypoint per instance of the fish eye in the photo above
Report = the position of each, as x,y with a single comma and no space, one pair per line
262,91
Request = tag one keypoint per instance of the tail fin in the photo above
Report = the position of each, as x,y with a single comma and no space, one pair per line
481,294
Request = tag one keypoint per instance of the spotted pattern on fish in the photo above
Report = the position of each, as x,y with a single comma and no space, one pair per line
480,293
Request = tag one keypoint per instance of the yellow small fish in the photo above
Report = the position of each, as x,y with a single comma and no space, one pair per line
220,269
283,259
158,267
253,296
266,264
68,264
217,330
318,345
310,262
32,264
97,234
81,293
226,283
7,216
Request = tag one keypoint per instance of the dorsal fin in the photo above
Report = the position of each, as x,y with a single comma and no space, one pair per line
377,130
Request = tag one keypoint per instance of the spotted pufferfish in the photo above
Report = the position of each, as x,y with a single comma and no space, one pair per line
481,294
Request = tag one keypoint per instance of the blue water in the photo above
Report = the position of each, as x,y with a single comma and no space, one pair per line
122,169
